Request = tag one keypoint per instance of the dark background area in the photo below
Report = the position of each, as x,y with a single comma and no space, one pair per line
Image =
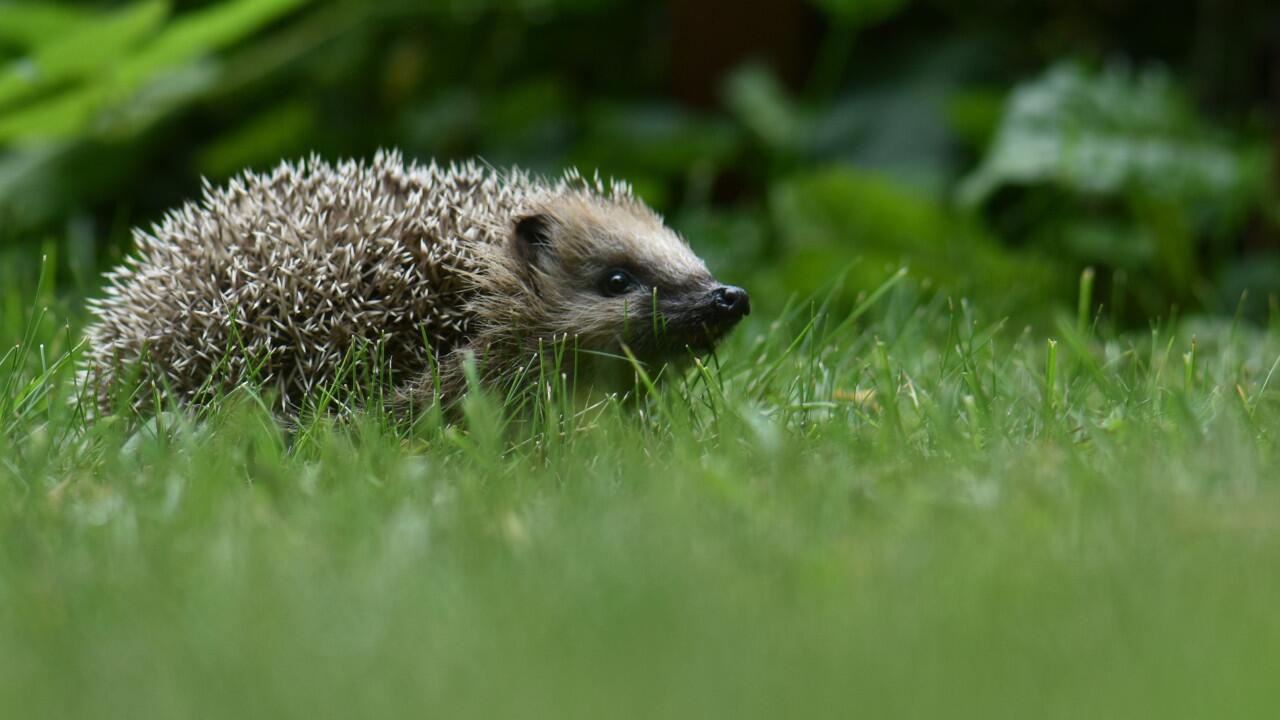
995,147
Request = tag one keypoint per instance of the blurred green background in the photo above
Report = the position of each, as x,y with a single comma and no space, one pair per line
996,147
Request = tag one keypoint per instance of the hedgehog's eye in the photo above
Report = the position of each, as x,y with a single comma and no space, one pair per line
616,282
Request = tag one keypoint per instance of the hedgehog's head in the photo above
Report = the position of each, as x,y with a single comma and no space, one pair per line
607,273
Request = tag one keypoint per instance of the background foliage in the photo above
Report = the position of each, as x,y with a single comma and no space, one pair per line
993,485
996,148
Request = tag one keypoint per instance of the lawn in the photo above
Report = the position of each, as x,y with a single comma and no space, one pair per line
900,507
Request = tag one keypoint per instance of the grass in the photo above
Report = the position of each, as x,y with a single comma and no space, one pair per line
907,509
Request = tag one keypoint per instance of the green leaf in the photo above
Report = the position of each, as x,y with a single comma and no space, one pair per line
28,24
1104,133
84,49
138,86
757,98
197,33
60,117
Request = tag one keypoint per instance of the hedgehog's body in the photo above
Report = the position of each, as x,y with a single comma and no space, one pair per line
283,278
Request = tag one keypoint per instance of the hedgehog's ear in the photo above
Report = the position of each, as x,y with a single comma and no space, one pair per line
533,236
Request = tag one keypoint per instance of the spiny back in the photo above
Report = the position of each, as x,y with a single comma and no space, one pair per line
280,275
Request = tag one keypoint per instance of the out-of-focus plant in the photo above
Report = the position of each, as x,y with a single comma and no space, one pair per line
847,18
106,71
165,94
837,141
874,225
76,75
1115,168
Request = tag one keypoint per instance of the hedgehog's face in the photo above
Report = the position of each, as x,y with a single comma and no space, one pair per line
611,274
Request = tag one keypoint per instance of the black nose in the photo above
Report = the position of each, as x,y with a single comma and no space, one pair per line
731,301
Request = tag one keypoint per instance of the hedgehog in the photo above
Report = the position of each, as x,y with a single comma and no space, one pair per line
451,274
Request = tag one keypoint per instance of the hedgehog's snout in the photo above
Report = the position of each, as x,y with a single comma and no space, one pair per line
732,303
723,307
700,319
719,309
